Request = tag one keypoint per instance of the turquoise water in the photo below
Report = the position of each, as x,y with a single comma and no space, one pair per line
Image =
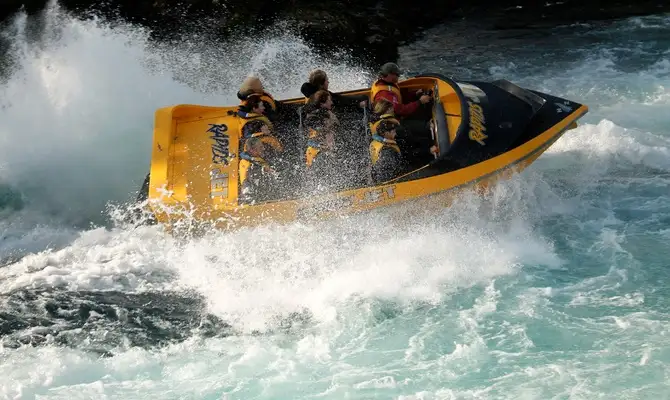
552,287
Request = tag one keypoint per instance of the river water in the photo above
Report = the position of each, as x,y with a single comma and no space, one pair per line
555,286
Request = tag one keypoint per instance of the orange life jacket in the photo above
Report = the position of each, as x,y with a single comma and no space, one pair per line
380,86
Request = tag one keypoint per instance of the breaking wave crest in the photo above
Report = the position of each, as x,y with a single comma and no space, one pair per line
547,286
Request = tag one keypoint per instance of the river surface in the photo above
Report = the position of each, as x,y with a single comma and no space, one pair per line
553,287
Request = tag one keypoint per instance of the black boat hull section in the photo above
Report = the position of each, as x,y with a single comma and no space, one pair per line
499,116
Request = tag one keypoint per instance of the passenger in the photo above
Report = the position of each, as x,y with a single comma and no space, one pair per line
383,111
348,111
258,180
253,85
253,109
319,106
386,87
321,158
385,155
387,159
258,128
318,80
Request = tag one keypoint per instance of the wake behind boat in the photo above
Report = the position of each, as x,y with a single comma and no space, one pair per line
483,131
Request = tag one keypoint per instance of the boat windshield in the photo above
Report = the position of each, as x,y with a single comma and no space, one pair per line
439,127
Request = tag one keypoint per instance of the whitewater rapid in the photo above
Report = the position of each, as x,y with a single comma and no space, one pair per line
550,287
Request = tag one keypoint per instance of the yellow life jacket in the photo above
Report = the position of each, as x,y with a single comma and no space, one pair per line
380,85
383,117
265,139
310,154
378,143
270,100
313,147
249,116
312,134
246,162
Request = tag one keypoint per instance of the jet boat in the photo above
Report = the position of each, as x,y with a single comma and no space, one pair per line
484,131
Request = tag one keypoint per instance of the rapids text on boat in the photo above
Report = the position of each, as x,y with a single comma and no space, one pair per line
483,130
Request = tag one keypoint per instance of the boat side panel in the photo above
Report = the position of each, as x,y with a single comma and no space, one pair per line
203,159
209,170
162,150
447,164
554,110
496,119
165,181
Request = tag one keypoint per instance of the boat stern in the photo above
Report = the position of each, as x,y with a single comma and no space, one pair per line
194,163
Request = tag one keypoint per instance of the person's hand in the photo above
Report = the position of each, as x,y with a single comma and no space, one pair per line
433,149
419,93
363,103
425,99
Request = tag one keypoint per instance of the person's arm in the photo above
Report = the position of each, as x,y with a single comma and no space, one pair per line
409,95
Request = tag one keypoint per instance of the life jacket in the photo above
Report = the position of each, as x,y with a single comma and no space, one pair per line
249,116
270,140
381,85
266,139
265,96
378,143
383,117
313,147
246,161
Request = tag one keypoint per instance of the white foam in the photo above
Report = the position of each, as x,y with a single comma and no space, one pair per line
605,145
77,114
368,282
250,276
96,259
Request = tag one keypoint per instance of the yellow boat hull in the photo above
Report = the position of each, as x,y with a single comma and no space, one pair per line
194,178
